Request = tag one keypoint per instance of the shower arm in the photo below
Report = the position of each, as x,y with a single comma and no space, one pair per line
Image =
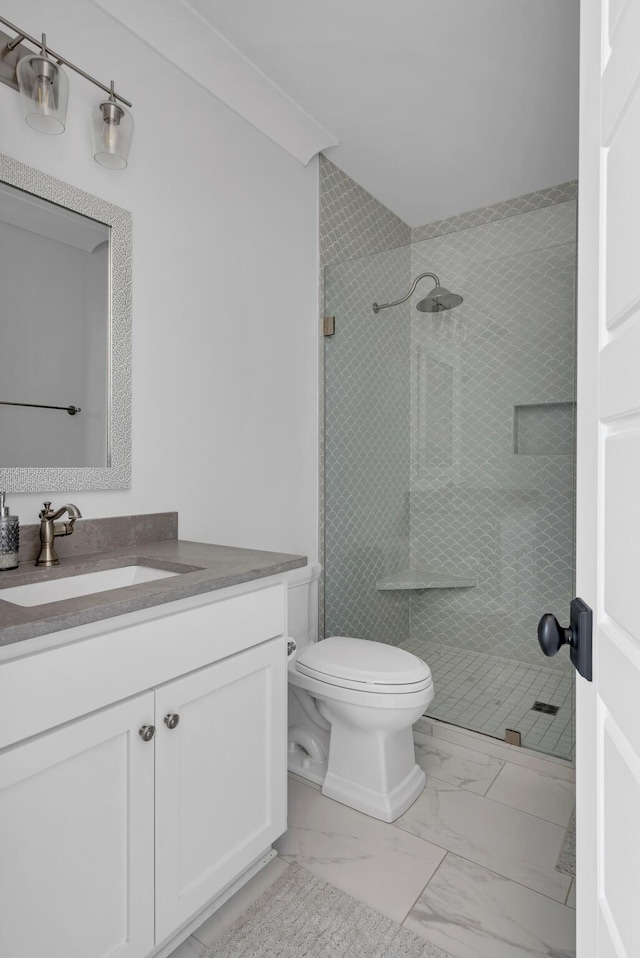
378,306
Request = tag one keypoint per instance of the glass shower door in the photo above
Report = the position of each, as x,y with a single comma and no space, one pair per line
450,467
367,446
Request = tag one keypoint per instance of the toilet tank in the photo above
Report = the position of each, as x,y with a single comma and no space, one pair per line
303,604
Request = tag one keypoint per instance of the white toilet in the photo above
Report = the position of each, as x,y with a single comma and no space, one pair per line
352,704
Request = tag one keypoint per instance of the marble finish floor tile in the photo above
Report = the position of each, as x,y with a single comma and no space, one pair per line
190,948
215,926
538,793
506,840
464,767
304,781
472,912
380,865
490,746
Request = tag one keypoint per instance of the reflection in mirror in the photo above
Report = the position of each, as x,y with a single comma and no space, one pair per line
65,334
55,330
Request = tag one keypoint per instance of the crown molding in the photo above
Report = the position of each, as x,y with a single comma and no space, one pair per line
187,40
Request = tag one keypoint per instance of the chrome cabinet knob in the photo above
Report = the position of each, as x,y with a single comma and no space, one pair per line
146,732
171,720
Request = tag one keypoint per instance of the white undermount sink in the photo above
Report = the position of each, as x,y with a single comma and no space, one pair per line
72,586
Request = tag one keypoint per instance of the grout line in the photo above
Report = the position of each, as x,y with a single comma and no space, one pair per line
568,892
437,868
504,878
524,812
493,871
497,801
496,776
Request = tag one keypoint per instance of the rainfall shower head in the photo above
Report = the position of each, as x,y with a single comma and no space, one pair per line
436,301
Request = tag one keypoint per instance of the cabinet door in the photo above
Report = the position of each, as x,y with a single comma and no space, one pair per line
76,839
220,777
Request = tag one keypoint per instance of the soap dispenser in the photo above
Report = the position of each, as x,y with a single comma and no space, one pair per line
9,537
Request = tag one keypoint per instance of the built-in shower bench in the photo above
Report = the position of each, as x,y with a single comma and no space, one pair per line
424,579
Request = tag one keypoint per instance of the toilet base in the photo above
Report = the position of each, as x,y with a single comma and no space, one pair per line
300,763
388,806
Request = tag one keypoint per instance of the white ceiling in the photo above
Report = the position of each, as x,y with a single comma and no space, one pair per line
436,106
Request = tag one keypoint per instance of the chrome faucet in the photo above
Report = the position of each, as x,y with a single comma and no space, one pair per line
49,529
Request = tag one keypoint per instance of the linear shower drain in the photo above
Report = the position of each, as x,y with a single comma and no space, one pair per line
545,707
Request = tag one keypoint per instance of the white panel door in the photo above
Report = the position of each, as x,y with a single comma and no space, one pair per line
220,777
76,839
608,491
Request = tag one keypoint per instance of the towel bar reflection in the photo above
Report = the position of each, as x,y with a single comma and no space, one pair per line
72,410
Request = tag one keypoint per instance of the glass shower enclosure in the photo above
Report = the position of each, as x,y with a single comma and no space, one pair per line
450,464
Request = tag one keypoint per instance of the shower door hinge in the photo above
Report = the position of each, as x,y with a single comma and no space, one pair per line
329,326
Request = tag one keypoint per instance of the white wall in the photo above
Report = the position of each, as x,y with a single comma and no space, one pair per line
225,292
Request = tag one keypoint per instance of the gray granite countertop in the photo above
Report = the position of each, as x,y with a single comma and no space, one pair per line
203,568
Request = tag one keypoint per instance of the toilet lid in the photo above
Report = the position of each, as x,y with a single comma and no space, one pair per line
360,662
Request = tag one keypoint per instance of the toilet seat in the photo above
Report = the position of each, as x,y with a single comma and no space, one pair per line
364,666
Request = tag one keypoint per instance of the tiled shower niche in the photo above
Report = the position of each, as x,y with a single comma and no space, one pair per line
544,429
449,452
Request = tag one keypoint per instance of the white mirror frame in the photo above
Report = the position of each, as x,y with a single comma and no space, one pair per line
117,473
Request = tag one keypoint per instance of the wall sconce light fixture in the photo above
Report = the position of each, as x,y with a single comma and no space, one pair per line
112,128
44,91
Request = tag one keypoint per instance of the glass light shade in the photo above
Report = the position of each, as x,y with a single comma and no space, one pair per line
44,92
112,128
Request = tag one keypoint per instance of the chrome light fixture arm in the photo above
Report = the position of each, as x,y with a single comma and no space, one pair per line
23,35
378,306
44,92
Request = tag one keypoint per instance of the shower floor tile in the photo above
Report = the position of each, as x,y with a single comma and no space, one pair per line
489,694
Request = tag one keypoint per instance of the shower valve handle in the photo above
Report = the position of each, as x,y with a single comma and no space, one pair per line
552,636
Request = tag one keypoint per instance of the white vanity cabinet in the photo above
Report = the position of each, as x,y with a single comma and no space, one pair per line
110,844
77,839
219,778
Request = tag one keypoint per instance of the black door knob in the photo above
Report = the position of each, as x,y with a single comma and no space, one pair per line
551,635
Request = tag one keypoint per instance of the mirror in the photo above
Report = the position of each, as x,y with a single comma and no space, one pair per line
65,356
55,302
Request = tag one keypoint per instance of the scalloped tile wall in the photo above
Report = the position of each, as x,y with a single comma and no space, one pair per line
478,508
419,416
